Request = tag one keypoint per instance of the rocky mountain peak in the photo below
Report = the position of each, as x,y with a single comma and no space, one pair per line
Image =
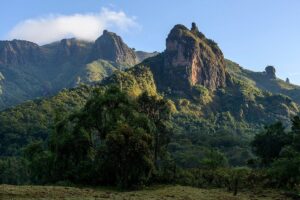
190,59
195,31
111,47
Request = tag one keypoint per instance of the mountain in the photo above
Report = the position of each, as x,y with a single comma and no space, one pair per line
193,68
142,55
265,81
192,59
216,102
111,47
28,71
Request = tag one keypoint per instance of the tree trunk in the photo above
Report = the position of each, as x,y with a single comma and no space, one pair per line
236,184
156,147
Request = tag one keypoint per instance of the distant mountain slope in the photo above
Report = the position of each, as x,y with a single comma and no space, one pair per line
28,71
142,55
262,81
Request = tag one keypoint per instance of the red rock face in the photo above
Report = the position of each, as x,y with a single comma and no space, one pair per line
196,71
192,59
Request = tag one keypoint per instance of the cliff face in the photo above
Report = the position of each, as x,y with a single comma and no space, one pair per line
19,52
73,48
191,59
111,47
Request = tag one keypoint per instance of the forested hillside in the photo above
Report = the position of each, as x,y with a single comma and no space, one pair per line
186,116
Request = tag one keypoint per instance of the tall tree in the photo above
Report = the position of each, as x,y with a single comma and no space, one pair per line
269,143
128,157
115,136
159,111
296,132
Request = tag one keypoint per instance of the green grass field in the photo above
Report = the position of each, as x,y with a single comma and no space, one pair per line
9,192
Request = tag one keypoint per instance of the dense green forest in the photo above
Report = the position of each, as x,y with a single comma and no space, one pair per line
130,142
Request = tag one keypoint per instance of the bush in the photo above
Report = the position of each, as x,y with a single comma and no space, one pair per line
285,171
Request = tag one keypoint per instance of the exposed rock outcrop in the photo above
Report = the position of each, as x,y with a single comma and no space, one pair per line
111,47
270,72
191,59
72,47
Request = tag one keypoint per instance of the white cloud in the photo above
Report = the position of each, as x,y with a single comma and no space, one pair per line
83,26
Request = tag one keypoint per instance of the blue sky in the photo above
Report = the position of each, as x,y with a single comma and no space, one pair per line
254,33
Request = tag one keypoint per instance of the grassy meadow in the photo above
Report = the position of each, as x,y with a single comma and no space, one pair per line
10,192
